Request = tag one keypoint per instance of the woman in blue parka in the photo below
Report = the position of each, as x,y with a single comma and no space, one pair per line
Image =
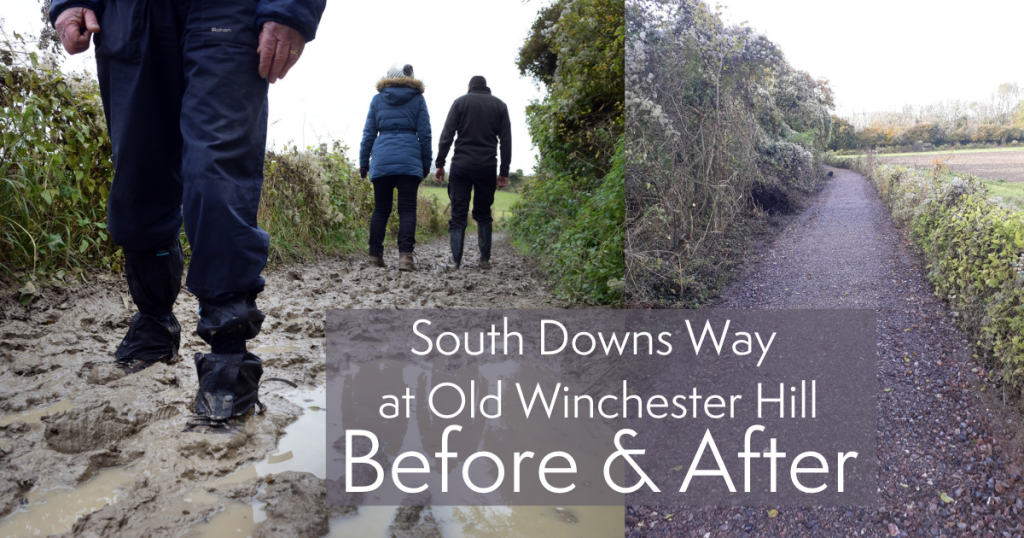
396,153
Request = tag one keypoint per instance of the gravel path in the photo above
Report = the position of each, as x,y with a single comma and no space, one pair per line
939,431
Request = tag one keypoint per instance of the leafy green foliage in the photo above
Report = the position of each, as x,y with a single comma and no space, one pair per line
315,203
975,249
312,201
537,57
55,165
570,216
844,134
577,234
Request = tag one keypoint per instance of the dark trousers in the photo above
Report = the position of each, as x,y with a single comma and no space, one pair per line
383,195
186,111
462,183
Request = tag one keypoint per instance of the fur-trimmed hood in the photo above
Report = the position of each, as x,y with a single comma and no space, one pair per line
397,130
400,82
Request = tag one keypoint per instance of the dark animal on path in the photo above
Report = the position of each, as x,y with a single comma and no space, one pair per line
829,173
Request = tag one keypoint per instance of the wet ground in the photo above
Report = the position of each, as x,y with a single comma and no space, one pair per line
87,451
949,450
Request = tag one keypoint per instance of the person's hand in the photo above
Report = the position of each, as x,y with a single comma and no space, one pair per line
426,172
279,49
439,175
75,25
362,172
502,182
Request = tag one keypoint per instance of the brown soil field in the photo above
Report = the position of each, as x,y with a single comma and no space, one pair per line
1008,165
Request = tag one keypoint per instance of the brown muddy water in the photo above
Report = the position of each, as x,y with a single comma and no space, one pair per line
55,511
303,449
86,451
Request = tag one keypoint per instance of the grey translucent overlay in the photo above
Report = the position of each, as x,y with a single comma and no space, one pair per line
590,368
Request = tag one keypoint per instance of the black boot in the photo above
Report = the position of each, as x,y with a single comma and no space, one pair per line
154,280
228,386
483,236
457,238
229,377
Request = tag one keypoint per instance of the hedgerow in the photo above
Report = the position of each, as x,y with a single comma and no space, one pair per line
721,132
571,215
314,202
55,166
974,245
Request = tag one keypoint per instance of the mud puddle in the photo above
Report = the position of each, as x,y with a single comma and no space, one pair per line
236,519
68,416
303,449
34,416
55,511
275,349
477,521
494,522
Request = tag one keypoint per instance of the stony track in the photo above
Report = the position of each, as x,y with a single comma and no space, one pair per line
949,450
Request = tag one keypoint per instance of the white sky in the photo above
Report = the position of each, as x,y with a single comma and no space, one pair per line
882,54
327,94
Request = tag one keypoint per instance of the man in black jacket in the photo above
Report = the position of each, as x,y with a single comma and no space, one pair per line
481,122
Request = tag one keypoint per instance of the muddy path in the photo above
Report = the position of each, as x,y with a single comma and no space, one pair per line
69,421
949,451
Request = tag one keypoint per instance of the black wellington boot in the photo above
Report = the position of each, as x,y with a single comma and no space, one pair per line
154,280
457,238
483,236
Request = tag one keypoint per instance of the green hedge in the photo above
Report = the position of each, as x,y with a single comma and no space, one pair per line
974,245
314,203
571,216
577,234
55,168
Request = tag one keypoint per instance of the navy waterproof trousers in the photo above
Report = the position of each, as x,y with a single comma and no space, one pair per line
187,115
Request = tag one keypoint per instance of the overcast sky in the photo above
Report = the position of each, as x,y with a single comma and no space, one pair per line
328,92
882,54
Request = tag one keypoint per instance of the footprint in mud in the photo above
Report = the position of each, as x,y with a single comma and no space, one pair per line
87,428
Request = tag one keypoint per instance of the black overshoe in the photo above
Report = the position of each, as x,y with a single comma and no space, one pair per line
154,281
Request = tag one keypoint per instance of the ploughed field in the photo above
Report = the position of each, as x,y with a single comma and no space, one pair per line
996,164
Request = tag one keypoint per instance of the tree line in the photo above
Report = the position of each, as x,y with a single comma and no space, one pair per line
997,120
